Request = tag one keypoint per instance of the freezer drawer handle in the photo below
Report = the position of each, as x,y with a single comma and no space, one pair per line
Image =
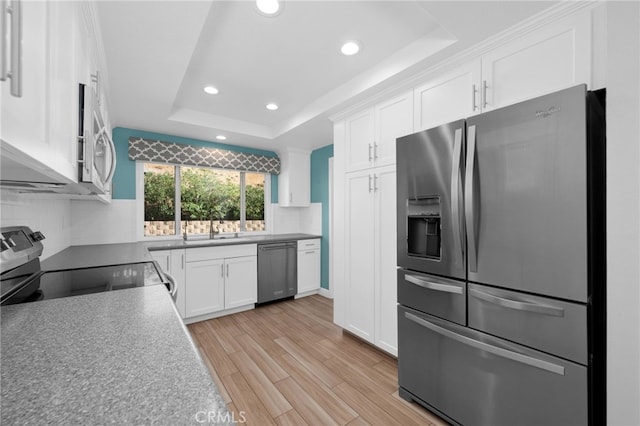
433,286
514,356
515,304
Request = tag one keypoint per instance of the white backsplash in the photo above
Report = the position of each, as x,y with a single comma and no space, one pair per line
50,215
306,220
98,223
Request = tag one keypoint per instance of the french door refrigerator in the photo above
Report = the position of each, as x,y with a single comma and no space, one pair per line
501,255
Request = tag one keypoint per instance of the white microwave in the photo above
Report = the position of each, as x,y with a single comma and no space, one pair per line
96,151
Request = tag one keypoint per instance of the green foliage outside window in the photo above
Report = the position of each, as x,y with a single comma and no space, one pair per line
204,195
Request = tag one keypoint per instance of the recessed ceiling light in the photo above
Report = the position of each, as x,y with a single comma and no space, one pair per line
211,90
272,107
350,48
221,137
268,7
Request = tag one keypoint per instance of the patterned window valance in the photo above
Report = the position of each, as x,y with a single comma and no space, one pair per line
175,153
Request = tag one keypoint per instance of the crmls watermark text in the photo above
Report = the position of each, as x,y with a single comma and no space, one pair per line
218,417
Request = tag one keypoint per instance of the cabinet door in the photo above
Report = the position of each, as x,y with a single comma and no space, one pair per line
63,88
241,286
385,264
359,140
163,257
393,119
294,182
177,270
553,58
308,270
453,96
360,240
205,287
24,119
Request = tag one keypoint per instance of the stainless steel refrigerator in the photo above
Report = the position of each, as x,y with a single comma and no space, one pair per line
501,255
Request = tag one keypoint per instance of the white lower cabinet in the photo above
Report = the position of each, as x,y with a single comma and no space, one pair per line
220,278
308,266
370,280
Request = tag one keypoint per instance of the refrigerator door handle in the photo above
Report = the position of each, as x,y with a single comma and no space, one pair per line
455,198
518,305
447,288
504,353
469,201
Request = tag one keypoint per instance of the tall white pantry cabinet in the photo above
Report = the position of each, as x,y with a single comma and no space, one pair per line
549,54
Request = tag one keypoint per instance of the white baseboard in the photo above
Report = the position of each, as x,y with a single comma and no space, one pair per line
218,314
325,293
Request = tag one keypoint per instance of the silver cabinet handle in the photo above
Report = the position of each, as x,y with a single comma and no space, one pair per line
447,288
370,188
504,353
375,183
183,261
455,198
310,252
484,94
227,269
3,40
222,270
16,46
370,157
167,270
375,151
469,199
518,305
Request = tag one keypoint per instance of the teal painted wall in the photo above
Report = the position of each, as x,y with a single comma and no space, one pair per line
124,179
320,194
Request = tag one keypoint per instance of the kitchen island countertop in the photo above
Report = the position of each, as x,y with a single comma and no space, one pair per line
120,357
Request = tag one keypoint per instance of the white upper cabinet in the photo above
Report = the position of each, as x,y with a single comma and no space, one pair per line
448,98
552,58
549,59
359,140
393,118
24,114
371,134
294,181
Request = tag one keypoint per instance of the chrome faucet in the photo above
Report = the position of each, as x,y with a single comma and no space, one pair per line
212,232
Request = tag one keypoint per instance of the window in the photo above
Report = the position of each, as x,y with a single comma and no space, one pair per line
195,198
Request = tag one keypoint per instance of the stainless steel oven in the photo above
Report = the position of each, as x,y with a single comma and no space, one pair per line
23,281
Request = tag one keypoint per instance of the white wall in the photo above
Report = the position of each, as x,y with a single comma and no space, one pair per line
623,213
47,214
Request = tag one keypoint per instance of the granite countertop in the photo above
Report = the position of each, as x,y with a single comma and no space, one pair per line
121,357
87,256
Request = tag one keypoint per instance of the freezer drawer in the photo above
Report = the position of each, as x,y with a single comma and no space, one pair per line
553,326
437,296
476,379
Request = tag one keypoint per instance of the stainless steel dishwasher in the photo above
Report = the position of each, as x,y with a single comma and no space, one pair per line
277,271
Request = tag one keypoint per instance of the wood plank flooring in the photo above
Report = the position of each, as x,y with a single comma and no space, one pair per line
288,364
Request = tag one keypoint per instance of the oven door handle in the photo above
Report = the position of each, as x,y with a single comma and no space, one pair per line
495,350
447,288
173,288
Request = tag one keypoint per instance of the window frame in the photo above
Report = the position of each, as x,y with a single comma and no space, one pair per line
178,202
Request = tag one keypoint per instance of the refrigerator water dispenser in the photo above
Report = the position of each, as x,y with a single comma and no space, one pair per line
423,227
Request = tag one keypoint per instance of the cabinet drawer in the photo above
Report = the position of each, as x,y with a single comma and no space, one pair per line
553,326
436,296
304,245
207,253
477,379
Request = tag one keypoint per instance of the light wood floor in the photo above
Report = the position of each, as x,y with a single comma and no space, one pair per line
288,364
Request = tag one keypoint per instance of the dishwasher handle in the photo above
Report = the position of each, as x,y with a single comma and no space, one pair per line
276,246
